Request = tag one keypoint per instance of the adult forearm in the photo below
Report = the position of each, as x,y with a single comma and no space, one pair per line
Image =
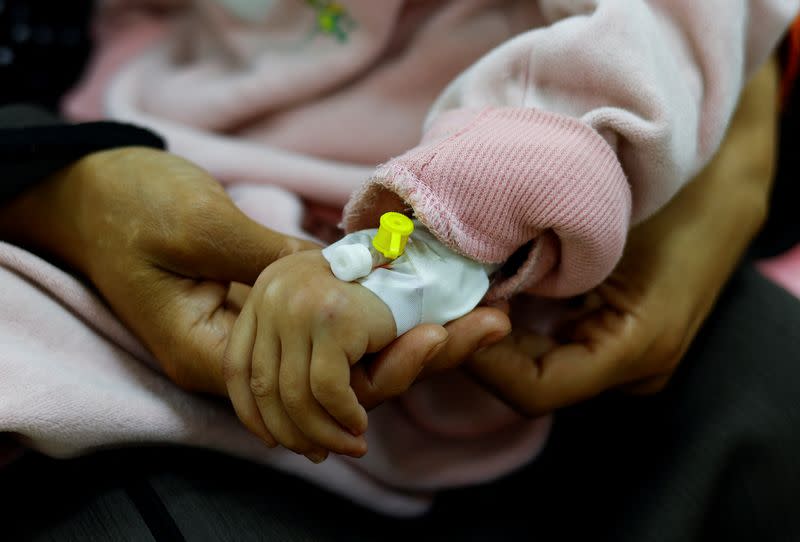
44,218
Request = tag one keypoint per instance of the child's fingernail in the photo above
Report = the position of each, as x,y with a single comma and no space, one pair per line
356,431
317,457
361,448
361,427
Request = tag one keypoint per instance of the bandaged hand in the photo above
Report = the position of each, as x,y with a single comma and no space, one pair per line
425,284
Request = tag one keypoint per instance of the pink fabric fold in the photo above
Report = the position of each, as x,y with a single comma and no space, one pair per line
551,125
74,380
504,178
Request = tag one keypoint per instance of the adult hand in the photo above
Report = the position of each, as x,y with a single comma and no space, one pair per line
639,323
161,241
426,350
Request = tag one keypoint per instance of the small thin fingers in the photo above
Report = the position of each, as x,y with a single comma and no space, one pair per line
264,385
237,372
300,403
330,384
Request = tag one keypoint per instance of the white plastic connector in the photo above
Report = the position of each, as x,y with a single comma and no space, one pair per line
350,262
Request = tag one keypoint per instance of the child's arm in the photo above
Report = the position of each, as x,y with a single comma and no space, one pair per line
291,350
557,140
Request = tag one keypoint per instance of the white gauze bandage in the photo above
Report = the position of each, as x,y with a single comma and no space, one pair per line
427,284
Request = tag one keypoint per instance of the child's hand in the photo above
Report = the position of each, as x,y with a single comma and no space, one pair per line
287,365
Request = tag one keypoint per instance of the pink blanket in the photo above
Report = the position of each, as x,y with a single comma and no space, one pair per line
73,380
551,124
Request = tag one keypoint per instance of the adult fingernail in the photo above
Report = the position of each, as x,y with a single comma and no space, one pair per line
317,457
491,338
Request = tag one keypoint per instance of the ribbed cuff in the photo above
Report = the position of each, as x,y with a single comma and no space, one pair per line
490,182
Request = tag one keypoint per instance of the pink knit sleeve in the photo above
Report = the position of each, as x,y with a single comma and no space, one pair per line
549,147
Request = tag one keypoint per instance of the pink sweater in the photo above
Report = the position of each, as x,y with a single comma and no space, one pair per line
548,126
